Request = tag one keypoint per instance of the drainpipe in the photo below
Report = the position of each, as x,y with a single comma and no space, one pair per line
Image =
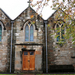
45,21
11,45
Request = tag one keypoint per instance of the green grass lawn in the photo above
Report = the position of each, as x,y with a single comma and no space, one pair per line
55,74
37,74
8,74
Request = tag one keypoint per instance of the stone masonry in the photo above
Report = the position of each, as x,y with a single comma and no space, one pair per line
5,42
28,15
57,54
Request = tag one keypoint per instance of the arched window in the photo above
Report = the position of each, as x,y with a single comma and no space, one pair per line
0,33
26,33
59,32
29,32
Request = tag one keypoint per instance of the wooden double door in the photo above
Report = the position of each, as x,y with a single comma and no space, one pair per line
28,60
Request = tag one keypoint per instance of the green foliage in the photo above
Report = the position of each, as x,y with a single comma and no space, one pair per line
68,16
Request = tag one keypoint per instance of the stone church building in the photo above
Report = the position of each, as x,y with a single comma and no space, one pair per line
27,46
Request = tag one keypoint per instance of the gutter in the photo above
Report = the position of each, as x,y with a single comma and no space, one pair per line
45,21
11,45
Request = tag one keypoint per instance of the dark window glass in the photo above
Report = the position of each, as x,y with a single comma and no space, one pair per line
60,30
0,32
58,37
26,33
62,33
31,53
29,23
58,33
31,33
25,53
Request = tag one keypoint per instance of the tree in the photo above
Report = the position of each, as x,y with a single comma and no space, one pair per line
68,8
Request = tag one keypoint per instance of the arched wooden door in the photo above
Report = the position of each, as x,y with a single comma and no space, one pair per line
28,60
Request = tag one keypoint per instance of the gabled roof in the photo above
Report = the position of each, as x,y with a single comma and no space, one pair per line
5,14
25,10
56,11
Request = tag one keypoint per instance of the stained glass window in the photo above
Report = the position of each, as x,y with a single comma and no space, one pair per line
0,32
26,33
58,37
60,32
31,33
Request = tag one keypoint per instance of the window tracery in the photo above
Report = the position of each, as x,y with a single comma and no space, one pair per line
59,32
29,32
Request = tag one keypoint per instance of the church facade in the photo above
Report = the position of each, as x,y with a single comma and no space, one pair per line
33,49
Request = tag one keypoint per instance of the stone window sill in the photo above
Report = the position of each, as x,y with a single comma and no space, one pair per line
72,56
29,42
60,43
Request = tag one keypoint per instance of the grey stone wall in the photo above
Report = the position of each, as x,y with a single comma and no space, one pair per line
19,26
58,55
19,36
5,43
18,57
